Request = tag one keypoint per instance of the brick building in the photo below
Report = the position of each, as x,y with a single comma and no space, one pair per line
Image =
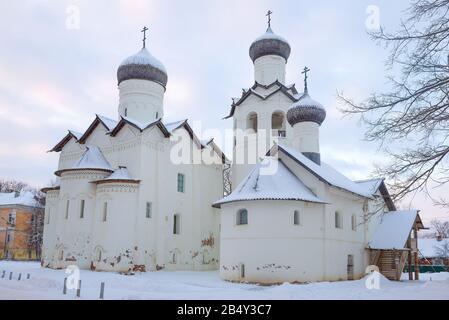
19,215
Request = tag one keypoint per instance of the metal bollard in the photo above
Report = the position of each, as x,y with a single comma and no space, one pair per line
78,290
102,291
64,289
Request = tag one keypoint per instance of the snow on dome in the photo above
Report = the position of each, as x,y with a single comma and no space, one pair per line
306,109
121,173
92,158
269,44
142,65
394,230
24,198
281,185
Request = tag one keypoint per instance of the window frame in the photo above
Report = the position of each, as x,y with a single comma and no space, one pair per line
82,208
148,210
181,182
105,211
176,224
239,220
338,220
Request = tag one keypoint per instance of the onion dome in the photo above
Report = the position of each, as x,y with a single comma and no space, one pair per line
306,109
142,66
269,44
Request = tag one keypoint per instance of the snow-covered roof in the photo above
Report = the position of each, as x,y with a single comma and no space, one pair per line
306,101
121,173
282,184
172,126
429,247
325,172
394,230
92,158
77,135
144,57
24,198
371,185
109,123
270,35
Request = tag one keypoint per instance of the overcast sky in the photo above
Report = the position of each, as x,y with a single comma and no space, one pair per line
55,77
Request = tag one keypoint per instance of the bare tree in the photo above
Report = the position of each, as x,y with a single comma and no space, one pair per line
12,186
442,250
440,228
413,115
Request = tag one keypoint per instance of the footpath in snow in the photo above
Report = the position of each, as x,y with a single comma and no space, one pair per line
48,284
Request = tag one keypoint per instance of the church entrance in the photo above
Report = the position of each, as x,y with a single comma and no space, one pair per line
350,267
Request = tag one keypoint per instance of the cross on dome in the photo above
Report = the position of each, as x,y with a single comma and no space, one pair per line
269,13
144,30
304,72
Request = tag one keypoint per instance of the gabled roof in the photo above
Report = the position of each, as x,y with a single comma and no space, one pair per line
394,230
91,159
139,125
378,184
323,172
282,184
290,91
108,123
210,142
173,126
70,135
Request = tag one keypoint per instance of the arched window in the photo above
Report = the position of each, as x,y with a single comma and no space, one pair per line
251,121
297,218
242,217
338,220
278,124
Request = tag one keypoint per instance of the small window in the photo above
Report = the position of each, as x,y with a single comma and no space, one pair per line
174,258
12,218
67,205
82,203
99,256
126,112
338,220
242,271
48,216
354,222
181,182
157,115
8,237
61,255
176,224
148,210
242,217
297,218
105,211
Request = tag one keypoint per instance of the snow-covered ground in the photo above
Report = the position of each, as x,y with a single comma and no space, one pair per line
48,284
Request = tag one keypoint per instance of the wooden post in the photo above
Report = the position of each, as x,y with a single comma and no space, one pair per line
102,291
410,272
64,289
416,253
78,290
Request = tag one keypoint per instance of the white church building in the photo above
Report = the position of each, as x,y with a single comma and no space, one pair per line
123,204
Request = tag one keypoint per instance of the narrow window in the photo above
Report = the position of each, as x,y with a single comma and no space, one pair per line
157,115
126,112
242,271
174,258
48,216
148,210
67,204
338,220
8,237
99,256
12,218
297,218
61,254
176,224
242,217
354,222
181,182
105,211
82,203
